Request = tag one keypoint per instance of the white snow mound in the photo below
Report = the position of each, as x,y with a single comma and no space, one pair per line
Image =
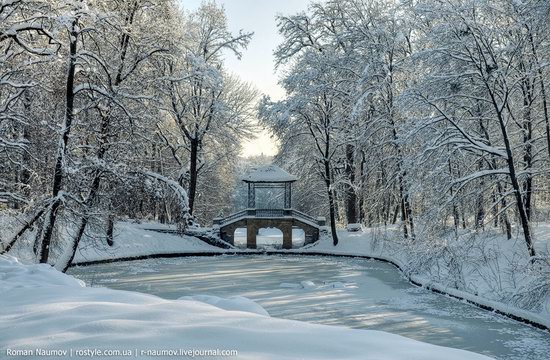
308,284
234,303
13,274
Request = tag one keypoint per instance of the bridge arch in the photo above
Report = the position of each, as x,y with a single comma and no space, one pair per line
269,237
252,223
239,237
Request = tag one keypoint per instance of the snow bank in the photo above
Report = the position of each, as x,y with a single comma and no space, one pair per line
43,309
133,240
14,275
130,240
372,243
234,303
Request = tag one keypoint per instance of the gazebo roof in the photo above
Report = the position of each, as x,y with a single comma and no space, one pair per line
268,174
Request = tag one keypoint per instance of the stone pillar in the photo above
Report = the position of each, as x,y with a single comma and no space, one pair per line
227,233
311,234
251,231
227,237
251,195
286,228
288,195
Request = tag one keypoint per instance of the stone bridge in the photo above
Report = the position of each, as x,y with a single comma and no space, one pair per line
270,178
282,219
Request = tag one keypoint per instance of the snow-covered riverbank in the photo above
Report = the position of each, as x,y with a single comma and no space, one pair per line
492,271
133,239
42,309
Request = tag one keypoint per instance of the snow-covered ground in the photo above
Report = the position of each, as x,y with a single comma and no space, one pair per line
135,240
131,239
44,311
491,271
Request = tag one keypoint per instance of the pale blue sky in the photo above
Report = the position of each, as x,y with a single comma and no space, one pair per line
256,65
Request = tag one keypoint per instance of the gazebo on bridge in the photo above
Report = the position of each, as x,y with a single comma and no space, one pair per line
284,218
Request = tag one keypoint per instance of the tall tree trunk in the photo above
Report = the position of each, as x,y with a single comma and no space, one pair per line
480,202
103,141
406,210
395,214
193,174
494,201
545,111
504,215
456,216
351,197
24,173
49,223
363,189
94,190
546,116
331,203
110,229
516,188
527,128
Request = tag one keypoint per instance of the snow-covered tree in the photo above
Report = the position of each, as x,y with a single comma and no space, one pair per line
200,97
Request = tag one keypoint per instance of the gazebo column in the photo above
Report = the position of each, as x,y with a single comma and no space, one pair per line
288,195
251,196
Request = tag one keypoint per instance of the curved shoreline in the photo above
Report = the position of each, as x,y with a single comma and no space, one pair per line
488,305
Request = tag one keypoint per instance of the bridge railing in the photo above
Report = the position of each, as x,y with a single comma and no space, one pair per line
319,221
230,218
269,213
301,215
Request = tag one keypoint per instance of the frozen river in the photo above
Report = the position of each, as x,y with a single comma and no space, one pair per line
361,294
